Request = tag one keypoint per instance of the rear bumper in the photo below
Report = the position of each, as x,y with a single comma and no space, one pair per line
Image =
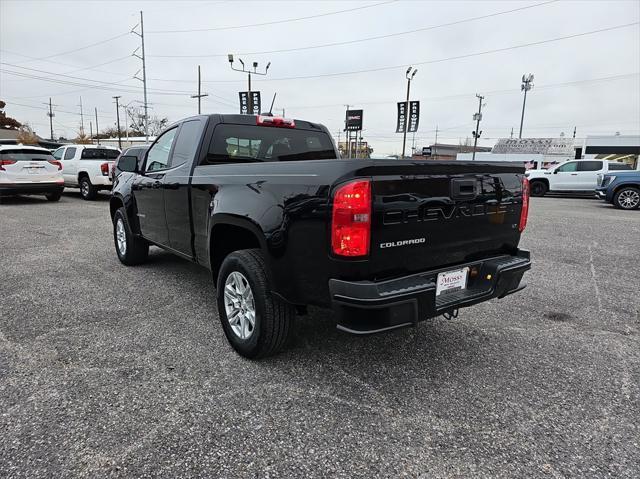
366,307
30,188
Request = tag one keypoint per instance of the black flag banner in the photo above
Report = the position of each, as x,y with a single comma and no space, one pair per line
244,103
414,116
402,117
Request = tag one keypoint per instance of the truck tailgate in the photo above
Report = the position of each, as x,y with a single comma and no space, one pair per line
433,214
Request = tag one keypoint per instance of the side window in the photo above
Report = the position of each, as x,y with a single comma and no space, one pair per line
158,157
58,153
187,142
569,166
589,165
70,153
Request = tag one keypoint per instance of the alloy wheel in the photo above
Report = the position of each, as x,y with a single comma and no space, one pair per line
121,237
239,305
629,199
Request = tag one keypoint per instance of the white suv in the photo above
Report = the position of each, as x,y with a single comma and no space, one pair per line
87,167
577,175
30,170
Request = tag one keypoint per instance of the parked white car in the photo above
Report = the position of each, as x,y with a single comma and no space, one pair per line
87,167
571,176
30,170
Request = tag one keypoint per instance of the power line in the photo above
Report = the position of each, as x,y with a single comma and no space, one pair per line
366,39
275,22
78,49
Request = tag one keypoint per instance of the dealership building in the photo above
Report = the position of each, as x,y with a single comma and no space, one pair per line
546,152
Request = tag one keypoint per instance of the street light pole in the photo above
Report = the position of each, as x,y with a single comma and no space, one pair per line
527,84
249,73
477,133
406,106
118,121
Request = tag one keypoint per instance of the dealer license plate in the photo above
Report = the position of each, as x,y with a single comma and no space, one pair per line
451,281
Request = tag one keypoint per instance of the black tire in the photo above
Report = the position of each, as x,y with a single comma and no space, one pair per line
274,318
136,249
627,198
87,190
53,196
538,188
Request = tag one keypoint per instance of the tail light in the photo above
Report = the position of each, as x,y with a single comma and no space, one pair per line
6,162
351,219
57,163
524,213
104,168
275,121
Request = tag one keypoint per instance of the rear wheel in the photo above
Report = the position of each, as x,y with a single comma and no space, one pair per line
538,188
87,190
256,323
53,196
627,198
131,249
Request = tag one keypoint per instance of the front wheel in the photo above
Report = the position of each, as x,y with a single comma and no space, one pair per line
256,322
538,188
87,190
131,249
627,198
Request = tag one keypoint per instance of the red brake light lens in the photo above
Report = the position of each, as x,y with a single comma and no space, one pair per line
351,219
277,121
6,162
104,168
524,213
57,163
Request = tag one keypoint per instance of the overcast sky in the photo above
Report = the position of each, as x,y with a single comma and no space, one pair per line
589,81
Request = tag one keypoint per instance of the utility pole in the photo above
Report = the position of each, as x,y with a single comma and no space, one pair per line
511,133
97,128
249,73
527,84
477,133
118,121
81,118
50,115
144,75
406,108
91,132
574,132
347,132
435,146
199,95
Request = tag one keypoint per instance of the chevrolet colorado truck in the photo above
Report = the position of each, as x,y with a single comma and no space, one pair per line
282,222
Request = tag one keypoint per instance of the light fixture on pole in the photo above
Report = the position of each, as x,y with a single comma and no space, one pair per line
409,76
527,84
249,73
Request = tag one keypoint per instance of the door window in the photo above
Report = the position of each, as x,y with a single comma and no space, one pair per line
70,153
58,153
589,165
569,166
158,156
187,142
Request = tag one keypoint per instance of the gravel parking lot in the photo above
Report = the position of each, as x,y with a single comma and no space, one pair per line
113,371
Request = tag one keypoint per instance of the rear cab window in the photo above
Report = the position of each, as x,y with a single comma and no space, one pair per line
99,154
247,144
589,165
619,166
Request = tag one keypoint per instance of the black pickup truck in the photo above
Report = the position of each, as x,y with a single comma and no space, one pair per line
282,222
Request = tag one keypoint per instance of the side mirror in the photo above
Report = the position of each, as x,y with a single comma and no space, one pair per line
128,163
555,172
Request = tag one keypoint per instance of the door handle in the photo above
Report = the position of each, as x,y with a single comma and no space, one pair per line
574,174
156,184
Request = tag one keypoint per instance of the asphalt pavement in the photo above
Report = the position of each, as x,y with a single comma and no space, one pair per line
114,371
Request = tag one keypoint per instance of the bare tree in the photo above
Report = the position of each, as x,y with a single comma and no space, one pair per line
26,136
6,121
136,122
